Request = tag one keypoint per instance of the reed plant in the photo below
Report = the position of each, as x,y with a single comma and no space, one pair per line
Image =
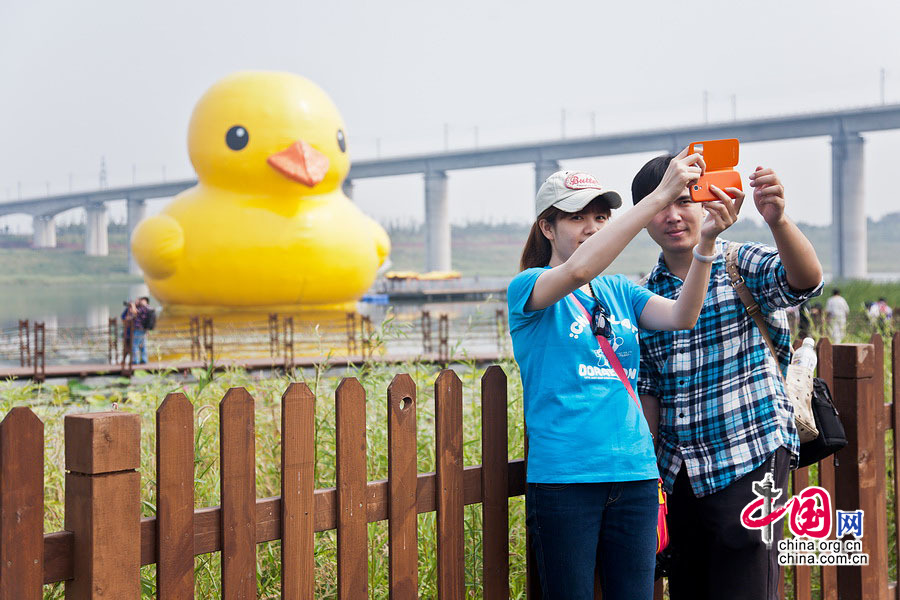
205,391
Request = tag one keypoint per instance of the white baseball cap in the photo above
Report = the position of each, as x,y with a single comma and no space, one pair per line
570,191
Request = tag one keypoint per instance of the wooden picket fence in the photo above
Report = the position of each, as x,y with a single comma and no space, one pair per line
105,540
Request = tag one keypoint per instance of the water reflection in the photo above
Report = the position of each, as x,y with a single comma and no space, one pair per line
77,319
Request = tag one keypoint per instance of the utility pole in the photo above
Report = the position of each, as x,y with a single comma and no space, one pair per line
705,106
102,172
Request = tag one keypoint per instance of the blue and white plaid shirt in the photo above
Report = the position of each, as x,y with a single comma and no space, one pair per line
723,407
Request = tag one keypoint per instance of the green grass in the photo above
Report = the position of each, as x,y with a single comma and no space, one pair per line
67,263
51,403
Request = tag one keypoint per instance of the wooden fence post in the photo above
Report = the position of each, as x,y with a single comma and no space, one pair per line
403,533
495,483
895,391
24,344
112,333
175,498
288,323
351,333
444,340
858,479
103,504
352,529
298,474
237,480
21,505
449,459
426,332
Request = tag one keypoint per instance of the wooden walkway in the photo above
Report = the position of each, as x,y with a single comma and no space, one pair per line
250,364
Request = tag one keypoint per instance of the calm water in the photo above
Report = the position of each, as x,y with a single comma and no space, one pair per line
76,320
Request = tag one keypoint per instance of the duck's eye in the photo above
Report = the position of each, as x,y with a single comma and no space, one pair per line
237,138
342,142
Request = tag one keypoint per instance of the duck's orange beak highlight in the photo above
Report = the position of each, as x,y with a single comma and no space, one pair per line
301,163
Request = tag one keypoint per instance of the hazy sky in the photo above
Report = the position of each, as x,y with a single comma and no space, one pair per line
88,79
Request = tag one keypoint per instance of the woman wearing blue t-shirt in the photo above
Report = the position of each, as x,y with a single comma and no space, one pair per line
592,475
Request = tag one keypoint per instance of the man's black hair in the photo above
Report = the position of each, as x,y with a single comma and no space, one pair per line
147,298
648,178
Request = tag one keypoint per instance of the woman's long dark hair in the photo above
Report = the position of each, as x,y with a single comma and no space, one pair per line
537,250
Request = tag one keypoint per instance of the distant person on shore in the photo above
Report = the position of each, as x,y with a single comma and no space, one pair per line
836,311
134,317
715,394
881,315
128,316
592,492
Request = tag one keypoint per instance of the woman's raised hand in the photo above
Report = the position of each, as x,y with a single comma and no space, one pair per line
683,169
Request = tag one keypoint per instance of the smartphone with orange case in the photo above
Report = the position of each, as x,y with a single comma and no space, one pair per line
721,156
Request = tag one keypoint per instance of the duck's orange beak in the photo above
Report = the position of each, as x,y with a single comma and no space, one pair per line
301,163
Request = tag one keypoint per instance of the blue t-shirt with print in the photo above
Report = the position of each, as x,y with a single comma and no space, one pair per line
583,425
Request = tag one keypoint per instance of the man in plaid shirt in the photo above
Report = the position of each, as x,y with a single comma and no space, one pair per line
713,396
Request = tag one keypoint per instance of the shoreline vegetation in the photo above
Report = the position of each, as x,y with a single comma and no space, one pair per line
143,394
478,249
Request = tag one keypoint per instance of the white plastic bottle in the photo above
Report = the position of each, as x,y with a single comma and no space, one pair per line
805,355
800,387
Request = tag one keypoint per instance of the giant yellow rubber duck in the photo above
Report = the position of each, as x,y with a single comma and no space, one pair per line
268,224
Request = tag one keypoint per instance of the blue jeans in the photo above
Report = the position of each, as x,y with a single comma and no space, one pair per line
138,347
575,525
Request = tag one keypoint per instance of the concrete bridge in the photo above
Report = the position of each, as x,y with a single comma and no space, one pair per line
843,127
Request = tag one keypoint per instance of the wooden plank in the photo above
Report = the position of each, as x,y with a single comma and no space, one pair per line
107,442
298,474
103,513
879,489
449,459
402,485
238,484
352,538
175,497
857,477
58,546
803,573
103,509
21,505
895,393
533,590
826,467
495,483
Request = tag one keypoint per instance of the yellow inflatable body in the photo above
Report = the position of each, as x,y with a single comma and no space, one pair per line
268,225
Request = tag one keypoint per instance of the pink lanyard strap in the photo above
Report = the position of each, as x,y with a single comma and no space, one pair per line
610,354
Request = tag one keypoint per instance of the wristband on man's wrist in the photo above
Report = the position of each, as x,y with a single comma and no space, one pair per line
704,258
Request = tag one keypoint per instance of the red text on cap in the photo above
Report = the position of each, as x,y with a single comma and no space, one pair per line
581,181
